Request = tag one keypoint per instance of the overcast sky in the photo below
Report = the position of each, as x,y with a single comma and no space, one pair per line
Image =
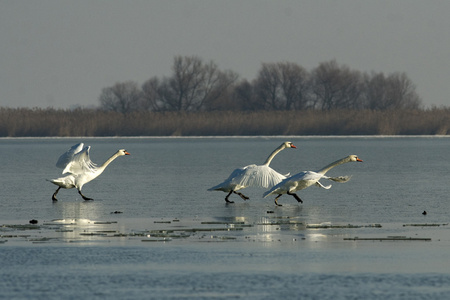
56,53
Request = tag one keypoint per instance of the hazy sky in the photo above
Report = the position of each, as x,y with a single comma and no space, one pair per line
62,53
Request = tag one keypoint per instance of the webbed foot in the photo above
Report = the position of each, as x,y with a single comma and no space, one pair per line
54,195
276,200
226,198
296,197
242,196
84,197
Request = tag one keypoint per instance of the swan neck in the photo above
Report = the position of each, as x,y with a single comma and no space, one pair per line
272,155
107,162
332,165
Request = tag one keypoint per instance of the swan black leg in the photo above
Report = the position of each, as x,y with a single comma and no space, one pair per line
242,195
54,194
84,197
295,196
226,198
276,200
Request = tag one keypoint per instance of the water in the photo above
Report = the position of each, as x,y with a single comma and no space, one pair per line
173,239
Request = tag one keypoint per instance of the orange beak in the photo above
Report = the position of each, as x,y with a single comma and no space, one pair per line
359,159
292,146
126,153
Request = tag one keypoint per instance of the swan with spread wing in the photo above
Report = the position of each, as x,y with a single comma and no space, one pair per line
77,163
252,175
306,179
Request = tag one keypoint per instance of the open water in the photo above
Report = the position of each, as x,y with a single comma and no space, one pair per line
154,232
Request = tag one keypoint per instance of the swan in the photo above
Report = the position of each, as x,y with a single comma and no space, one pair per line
252,175
305,179
81,169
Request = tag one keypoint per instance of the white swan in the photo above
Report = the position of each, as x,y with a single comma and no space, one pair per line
76,161
252,175
305,179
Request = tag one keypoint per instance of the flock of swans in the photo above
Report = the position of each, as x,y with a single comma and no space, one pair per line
79,168
252,175
266,177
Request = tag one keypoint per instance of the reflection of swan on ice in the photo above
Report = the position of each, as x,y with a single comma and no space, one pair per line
305,179
81,169
252,175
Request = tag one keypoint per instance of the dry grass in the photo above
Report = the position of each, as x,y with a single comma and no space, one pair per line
91,122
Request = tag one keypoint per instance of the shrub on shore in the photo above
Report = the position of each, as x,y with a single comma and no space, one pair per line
25,122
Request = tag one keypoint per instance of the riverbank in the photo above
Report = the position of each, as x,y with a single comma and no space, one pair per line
24,122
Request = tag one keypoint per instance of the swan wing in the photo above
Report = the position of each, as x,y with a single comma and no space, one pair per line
81,163
286,185
308,176
259,176
296,182
67,157
66,182
251,175
276,189
230,183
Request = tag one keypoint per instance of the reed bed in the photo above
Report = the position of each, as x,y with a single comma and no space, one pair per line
24,122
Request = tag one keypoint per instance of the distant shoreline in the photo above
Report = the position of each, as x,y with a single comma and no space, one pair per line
25,122
227,137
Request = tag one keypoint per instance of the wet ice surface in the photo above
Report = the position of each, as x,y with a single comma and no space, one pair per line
266,257
271,230
171,239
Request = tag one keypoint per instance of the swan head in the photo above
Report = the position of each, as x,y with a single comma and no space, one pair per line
122,152
354,158
289,145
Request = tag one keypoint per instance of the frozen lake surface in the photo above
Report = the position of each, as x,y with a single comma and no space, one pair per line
153,231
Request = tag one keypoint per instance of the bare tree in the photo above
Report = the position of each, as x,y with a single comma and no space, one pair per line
335,86
395,91
402,92
268,86
181,92
218,87
151,99
244,96
375,91
194,85
282,86
294,84
122,97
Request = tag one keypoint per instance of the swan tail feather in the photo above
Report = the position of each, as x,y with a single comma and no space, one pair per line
219,187
266,194
341,179
327,187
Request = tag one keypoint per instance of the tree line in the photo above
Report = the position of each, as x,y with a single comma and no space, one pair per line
196,86
199,99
